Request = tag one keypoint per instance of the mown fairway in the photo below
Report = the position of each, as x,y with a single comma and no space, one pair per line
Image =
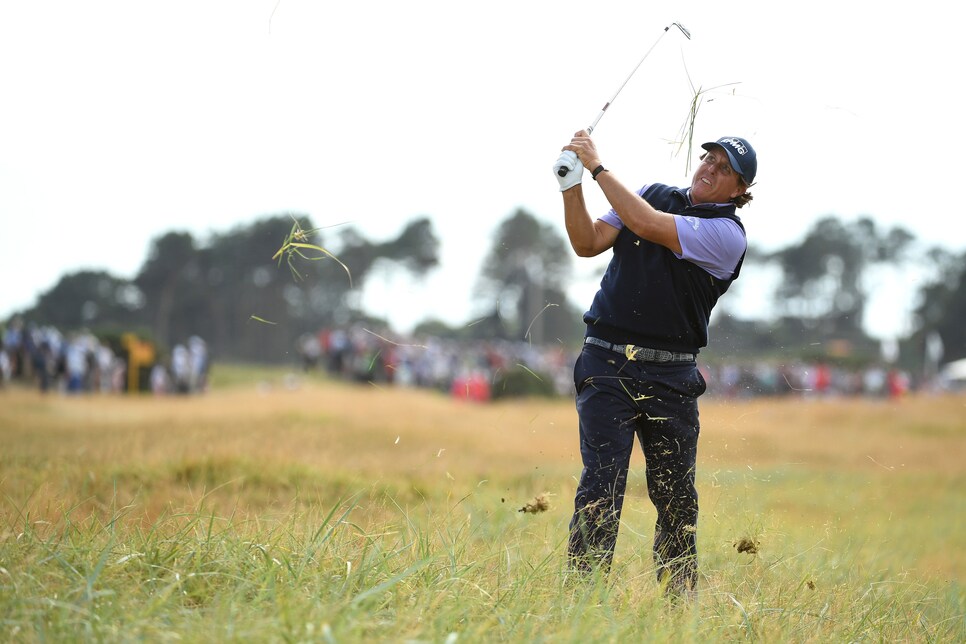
336,513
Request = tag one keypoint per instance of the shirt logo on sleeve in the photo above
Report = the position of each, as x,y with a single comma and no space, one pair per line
694,221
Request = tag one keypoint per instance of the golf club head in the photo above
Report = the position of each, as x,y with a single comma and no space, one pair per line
687,34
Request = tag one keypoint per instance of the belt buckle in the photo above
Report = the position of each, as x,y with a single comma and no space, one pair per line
630,352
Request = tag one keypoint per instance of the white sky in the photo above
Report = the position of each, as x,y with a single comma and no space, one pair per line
120,121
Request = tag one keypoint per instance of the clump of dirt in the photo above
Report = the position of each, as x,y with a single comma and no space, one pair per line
539,503
745,544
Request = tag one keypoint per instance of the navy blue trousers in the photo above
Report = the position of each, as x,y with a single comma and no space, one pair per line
616,400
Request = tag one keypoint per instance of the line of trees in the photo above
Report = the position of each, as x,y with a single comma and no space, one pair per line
827,281
229,290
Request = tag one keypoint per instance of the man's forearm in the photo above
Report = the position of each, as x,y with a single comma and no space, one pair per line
580,226
638,215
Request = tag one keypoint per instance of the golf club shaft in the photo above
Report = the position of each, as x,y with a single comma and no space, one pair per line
562,170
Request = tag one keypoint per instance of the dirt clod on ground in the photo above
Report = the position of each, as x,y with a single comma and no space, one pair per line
539,503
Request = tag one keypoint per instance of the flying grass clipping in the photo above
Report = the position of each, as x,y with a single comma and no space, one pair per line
296,245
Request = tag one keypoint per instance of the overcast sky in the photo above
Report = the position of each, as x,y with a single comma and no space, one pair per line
120,121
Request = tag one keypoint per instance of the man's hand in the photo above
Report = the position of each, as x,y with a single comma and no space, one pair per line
583,146
574,170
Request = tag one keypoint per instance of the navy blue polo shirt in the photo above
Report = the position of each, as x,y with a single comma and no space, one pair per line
649,296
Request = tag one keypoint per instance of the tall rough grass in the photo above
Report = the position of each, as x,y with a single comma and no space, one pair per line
330,513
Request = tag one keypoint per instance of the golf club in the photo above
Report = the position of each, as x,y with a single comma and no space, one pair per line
562,170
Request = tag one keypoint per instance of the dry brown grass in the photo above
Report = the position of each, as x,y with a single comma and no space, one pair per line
85,450
315,422
384,431
364,429
913,433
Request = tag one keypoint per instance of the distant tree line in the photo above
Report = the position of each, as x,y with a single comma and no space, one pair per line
229,291
249,307
827,280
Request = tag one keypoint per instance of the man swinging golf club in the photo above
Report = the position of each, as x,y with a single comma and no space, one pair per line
675,252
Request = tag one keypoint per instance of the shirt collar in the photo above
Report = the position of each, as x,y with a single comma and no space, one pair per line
686,195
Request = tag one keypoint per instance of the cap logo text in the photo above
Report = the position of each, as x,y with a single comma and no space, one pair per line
736,144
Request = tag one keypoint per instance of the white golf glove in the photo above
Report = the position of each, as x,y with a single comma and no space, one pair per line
575,170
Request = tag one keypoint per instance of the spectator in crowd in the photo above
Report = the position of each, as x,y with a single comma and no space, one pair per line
181,369
75,361
197,364
6,368
310,349
13,345
160,383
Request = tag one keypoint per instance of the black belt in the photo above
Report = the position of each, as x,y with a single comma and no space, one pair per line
634,352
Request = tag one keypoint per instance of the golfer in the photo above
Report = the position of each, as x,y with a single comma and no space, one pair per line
675,252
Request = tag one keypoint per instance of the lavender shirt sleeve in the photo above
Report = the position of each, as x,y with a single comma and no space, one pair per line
715,245
612,219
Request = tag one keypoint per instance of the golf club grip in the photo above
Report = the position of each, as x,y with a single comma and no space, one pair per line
562,169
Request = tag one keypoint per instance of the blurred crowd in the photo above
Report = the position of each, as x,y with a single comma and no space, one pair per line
478,370
186,372
79,362
471,369
804,379
465,369
74,362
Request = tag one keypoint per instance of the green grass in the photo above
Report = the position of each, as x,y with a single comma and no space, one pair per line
469,568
